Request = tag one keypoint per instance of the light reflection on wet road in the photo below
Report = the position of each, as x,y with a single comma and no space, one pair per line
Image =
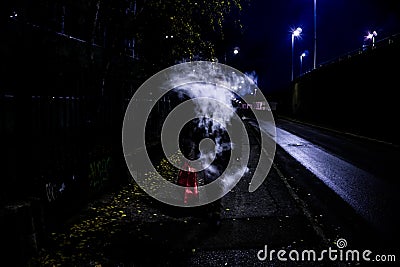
373,198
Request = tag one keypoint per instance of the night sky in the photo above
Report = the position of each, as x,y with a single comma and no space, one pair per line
341,27
265,46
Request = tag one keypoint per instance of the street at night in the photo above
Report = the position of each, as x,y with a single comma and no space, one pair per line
199,133
293,209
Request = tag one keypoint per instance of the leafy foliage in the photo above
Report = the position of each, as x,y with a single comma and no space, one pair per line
185,29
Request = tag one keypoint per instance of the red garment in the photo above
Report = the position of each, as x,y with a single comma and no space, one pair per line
187,177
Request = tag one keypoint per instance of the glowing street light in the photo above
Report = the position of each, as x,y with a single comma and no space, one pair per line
304,54
235,51
371,36
295,34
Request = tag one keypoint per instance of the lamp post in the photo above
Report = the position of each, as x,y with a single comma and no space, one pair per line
304,54
295,33
315,33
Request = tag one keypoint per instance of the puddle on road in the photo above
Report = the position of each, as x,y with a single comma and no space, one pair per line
296,144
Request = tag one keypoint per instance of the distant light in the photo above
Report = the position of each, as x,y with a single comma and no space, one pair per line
166,36
303,55
236,50
172,36
371,35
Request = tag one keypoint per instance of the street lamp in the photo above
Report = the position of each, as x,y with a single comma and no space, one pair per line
236,51
295,33
304,54
371,36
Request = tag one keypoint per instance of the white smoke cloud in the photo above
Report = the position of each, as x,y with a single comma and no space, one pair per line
217,109
215,90
253,76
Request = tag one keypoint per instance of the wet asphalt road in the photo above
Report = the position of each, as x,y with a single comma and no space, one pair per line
360,170
293,209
